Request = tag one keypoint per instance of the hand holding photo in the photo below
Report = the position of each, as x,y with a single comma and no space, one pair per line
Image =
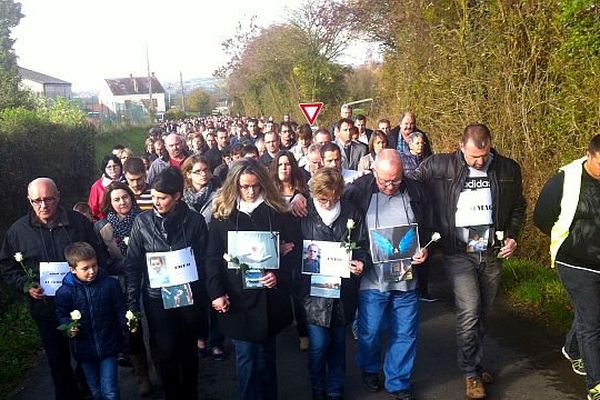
253,279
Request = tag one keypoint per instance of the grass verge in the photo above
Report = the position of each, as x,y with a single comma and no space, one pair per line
132,138
536,291
19,346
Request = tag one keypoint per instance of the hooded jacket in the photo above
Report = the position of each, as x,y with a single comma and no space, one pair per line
102,326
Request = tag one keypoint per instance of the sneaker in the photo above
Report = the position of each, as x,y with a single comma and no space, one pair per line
475,389
355,330
427,298
371,382
576,363
217,353
402,395
594,394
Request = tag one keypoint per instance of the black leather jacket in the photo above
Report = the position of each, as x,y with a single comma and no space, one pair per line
445,175
152,232
325,311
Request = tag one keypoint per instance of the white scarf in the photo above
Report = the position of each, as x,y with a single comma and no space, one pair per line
328,216
248,207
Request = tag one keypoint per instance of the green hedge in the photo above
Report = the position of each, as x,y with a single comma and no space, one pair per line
32,146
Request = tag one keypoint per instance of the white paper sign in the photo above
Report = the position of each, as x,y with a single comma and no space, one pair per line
325,258
257,249
51,276
171,268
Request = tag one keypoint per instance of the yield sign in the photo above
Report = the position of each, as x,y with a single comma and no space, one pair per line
311,111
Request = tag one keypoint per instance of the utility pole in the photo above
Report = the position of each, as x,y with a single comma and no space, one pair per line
182,93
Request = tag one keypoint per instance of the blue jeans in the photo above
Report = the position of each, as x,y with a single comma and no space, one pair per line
475,281
327,358
256,370
584,290
102,378
399,311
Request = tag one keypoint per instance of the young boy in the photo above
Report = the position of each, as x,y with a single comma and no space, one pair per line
99,338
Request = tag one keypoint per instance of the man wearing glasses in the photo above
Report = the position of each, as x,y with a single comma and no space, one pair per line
42,236
477,194
389,200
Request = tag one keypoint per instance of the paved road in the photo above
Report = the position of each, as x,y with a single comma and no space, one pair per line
524,357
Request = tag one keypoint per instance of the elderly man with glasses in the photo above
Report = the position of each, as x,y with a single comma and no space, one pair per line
385,299
41,236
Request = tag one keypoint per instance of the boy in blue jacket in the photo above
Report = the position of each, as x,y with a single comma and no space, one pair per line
99,336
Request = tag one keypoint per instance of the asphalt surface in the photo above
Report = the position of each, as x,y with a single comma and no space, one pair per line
524,357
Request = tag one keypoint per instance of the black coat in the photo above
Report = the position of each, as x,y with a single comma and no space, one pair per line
445,175
102,326
42,243
254,314
151,232
320,310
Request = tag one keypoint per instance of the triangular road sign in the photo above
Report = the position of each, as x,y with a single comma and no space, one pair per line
311,111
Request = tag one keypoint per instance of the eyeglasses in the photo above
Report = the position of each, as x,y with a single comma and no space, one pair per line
200,171
47,201
246,188
388,182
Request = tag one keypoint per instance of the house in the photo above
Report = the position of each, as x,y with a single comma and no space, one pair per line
44,85
121,95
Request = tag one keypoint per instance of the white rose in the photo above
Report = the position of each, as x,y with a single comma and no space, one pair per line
129,315
75,315
350,224
227,257
436,236
19,257
126,240
500,235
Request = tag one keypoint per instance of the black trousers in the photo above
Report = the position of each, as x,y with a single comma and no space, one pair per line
57,350
173,334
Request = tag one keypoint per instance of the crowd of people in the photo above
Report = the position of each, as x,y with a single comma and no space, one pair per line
223,228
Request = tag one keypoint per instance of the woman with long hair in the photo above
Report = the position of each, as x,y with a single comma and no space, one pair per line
327,318
287,175
120,207
112,171
249,201
377,142
199,190
290,180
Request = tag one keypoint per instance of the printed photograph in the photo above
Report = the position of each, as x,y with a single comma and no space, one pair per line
397,271
478,238
158,273
394,243
325,286
325,258
258,249
177,296
251,279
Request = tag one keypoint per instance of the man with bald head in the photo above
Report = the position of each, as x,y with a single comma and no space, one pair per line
385,299
41,236
174,157
477,194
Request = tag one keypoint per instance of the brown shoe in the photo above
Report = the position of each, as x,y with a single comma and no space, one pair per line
487,378
475,389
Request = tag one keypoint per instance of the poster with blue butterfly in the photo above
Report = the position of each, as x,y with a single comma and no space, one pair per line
394,243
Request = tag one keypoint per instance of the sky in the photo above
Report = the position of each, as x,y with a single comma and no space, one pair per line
84,41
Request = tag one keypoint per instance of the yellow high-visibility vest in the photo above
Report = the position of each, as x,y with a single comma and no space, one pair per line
568,205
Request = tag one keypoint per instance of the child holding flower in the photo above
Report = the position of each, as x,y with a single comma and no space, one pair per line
91,309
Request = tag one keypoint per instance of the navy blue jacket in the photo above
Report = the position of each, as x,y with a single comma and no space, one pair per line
102,307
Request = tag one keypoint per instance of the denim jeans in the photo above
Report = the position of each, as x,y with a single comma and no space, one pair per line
584,290
327,358
256,369
475,280
571,342
102,378
399,311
